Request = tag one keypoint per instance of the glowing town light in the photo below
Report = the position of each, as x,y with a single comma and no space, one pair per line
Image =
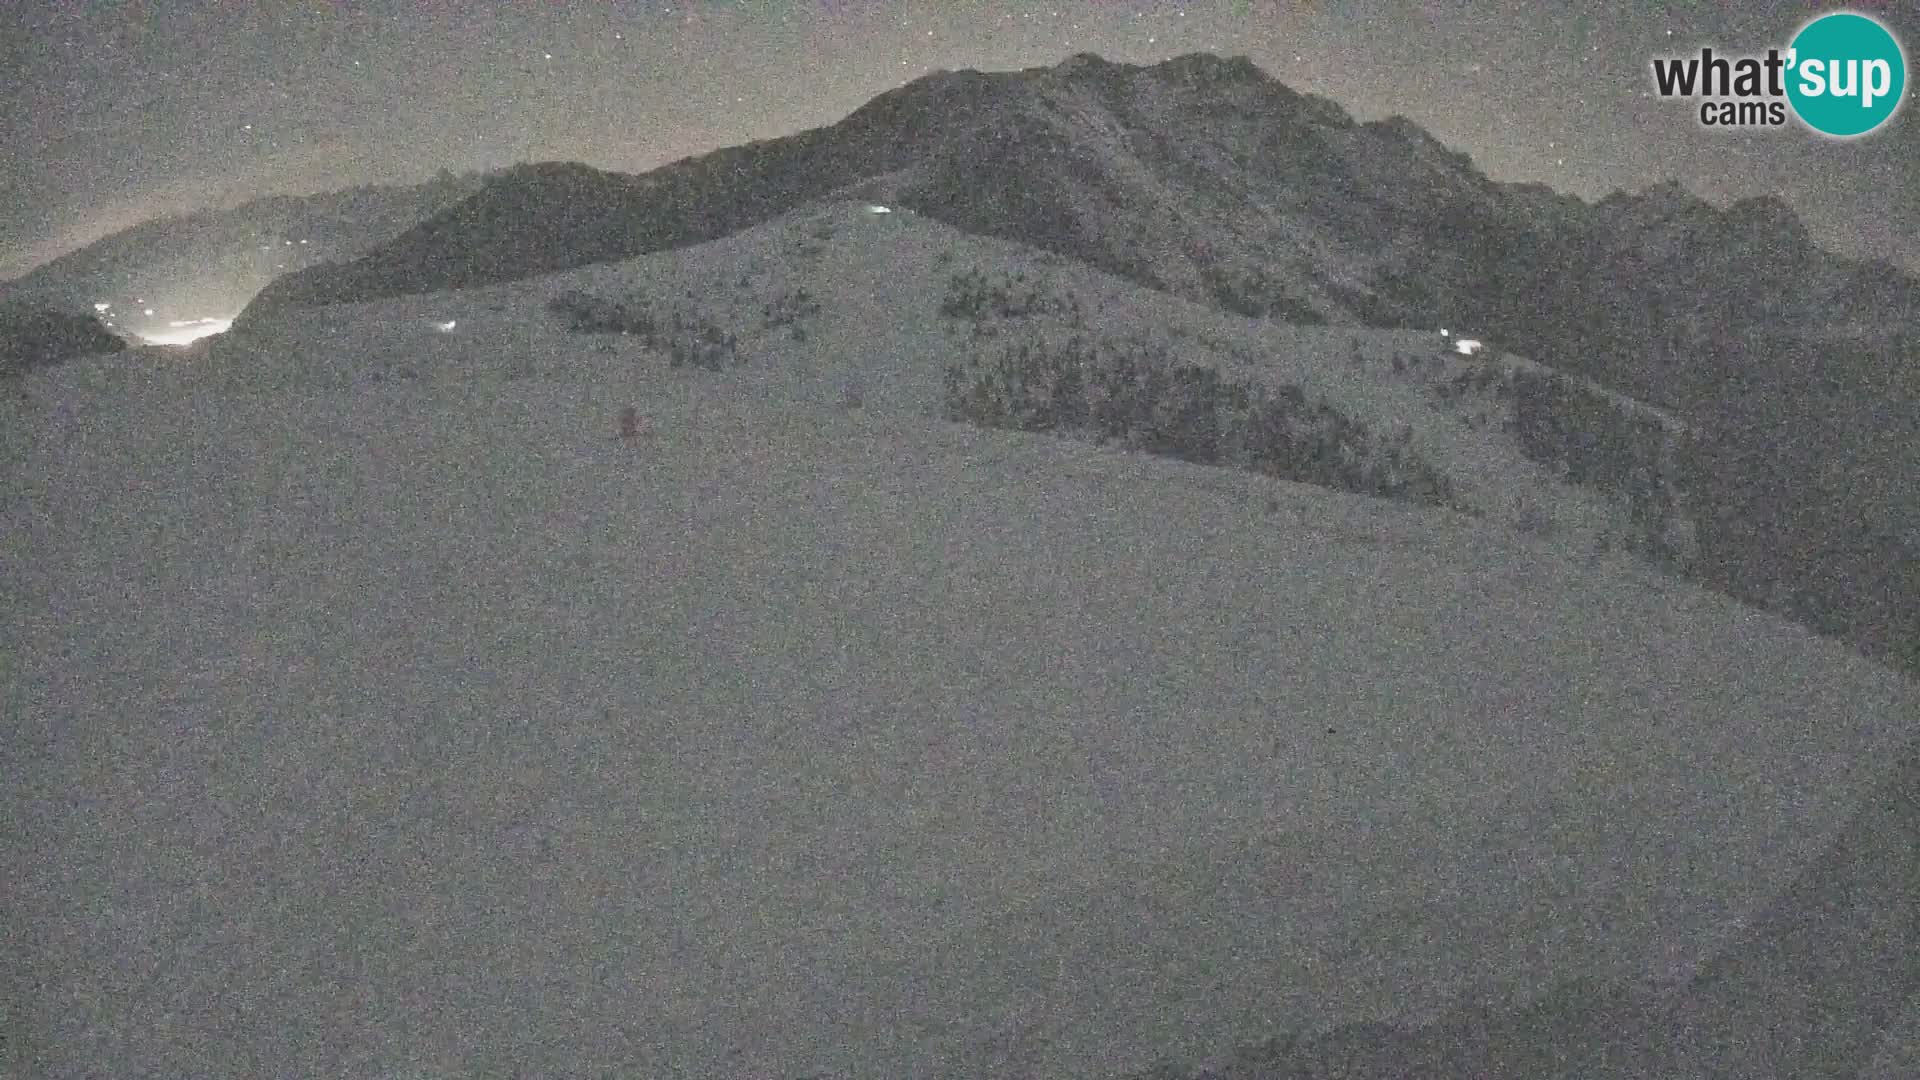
187,331
1467,346
875,208
446,327
149,311
101,306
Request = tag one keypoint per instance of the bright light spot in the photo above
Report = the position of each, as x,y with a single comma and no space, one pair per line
101,306
1467,346
446,327
303,241
149,311
875,208
187,331
1443,331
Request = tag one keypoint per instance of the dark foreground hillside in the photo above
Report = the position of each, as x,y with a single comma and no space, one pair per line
33,336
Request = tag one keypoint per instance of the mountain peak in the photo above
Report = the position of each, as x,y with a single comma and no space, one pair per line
1668,197
1667,201
1400,127
1204,67
1769,213
1085,62
1199,68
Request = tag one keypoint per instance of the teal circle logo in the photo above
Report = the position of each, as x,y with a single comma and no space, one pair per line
1846,74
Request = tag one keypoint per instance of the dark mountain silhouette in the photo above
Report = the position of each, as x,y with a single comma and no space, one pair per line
33,336
539,218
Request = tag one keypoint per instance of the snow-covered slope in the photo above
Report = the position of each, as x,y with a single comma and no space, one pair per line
1824,982
374,707
878,282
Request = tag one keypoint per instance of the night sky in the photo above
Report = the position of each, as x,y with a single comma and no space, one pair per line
113,113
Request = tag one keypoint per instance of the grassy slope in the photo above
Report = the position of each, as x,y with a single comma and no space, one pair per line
421,722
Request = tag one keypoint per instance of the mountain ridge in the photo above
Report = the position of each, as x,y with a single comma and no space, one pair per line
1153,152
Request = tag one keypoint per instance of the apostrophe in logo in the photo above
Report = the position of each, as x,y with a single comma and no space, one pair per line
1847,74
1843,75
